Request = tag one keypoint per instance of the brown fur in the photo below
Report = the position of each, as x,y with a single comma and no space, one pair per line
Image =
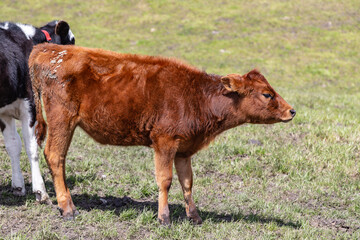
125,99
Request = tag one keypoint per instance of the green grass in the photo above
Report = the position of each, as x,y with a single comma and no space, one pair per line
299,180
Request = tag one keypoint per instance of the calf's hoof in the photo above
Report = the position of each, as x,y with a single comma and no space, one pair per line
42,197
69,215
196,220
193,216
18,191
164,220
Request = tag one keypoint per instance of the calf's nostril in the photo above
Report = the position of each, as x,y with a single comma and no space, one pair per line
293,112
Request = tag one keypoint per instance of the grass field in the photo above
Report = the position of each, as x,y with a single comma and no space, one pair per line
299,180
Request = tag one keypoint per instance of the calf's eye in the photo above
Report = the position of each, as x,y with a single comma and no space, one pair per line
267,95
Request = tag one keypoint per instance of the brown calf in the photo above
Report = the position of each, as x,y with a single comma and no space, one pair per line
124,99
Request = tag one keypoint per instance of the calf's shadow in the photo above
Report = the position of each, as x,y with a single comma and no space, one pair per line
85,202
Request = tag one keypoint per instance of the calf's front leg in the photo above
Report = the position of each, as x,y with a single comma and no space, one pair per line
185,174
165,149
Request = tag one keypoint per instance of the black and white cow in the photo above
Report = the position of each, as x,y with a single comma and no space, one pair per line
16,97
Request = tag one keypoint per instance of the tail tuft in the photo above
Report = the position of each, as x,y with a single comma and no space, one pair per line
40,131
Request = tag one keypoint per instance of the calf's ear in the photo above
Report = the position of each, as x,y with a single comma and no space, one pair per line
62,29
233,83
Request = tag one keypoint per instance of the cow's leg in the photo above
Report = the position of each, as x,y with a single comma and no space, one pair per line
184,172
165,149
38,185
60,132
13,147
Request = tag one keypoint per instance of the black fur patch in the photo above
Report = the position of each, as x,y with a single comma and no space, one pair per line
15,49
2,126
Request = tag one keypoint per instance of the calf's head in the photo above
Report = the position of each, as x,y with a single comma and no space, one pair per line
59,32
256,99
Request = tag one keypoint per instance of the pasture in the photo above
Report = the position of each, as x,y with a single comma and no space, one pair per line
298,180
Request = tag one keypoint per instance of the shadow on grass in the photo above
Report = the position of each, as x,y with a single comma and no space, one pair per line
87,202
8,199
177,211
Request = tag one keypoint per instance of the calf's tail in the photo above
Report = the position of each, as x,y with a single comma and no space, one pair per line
41,126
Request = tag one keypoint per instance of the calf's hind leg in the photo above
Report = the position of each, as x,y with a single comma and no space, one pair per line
185,174
60,132
13,147
31,147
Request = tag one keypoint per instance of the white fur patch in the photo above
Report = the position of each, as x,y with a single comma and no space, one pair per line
31,148
13,147
28,30
5,26
71,35
12,110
